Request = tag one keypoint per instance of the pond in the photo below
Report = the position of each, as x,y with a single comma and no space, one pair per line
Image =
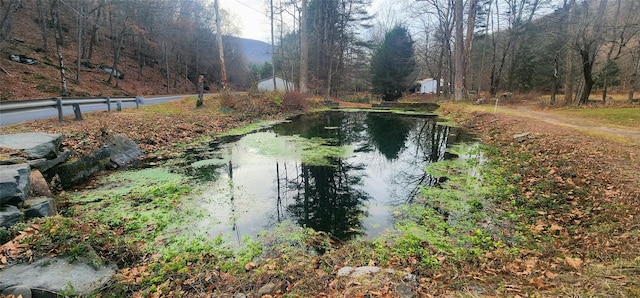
335,171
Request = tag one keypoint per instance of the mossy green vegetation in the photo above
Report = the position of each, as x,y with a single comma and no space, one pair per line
142,203
312,152
629,117
249,128
455,220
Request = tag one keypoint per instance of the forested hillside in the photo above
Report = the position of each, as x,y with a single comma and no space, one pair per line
157,47
570,49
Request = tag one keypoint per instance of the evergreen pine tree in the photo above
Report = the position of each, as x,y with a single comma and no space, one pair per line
393,65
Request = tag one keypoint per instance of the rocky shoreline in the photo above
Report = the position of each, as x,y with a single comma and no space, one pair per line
31,166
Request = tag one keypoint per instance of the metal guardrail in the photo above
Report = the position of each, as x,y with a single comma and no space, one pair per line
59,102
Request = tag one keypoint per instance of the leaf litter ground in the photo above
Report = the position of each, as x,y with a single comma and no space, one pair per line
574,205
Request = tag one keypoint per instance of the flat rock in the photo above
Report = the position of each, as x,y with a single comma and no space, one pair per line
9,216
18,291
44,164
123,150
266,289
34,144
54,274
14,183
39,207
351,272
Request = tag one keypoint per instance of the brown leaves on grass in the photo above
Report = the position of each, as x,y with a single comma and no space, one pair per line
134,275
579,194
575,263
153,129
16,248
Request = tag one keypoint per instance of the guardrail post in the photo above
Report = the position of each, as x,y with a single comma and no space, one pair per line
139,101
108,104
59,106
119,105
76,111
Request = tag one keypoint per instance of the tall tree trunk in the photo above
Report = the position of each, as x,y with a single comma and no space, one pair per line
587,73
7,21
468,43
634,76
43,25
568,81
459,52
304,48
588,54
80,24
223,70
554,80
55,11
117,43
166,61
94,33
610,56
273,47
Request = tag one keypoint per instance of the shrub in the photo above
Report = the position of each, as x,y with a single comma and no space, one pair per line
227,101
358,98
294,102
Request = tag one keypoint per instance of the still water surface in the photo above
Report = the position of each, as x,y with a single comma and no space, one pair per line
263,178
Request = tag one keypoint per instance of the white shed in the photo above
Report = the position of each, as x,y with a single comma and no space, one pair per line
428,85
281,85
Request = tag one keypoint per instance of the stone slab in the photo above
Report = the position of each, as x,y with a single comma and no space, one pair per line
76,171
39,207
35,144
123,150
9,216
14,183
56,274
44,164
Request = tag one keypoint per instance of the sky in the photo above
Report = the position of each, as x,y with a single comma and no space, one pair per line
253,17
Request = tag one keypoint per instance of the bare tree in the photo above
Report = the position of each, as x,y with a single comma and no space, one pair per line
7,20
119,28
468,42
441,13
304,48
459,51
622,31
273,45
588,41
42,20
55,15
568,82
633,78
223,70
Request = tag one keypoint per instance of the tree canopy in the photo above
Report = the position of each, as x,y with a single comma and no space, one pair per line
393,65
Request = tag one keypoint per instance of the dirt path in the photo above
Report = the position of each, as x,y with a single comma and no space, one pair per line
586,125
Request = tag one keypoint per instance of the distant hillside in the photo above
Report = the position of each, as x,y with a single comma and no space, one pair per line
256,52
151,60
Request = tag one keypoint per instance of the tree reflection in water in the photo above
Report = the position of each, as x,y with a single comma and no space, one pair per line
330,199
348,197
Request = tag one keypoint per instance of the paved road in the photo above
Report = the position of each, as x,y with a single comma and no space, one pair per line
43,113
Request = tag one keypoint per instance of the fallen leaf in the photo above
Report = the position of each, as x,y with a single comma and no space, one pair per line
550,275
536,229
249,266
537,282
320,272
575,263
555,227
